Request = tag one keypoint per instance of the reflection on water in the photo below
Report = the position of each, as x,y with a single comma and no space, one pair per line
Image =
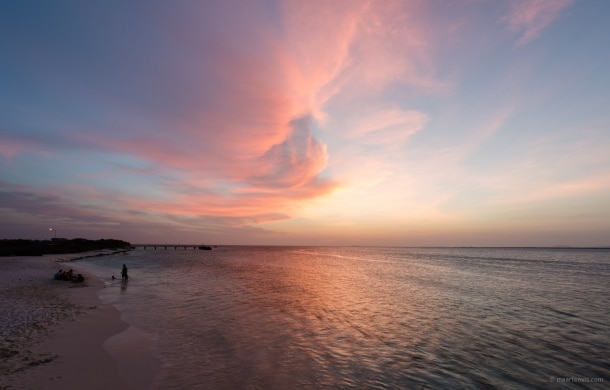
260,317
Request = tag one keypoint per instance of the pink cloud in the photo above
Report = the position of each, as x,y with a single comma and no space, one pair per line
389,126
317,42
12,146
250,140
293,163
529,17
394,44
257,134
230,129
9,148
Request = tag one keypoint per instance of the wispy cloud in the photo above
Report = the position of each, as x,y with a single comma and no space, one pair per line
11,147
527,18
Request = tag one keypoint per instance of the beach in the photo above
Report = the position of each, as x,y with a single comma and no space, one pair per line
59,335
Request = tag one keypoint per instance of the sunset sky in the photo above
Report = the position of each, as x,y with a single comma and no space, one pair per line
404,123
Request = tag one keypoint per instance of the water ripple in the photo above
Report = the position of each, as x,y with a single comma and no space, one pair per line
347,318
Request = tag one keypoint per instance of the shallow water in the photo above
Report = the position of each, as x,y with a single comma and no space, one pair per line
335,317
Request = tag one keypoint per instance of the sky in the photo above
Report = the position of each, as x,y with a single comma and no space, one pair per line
391,123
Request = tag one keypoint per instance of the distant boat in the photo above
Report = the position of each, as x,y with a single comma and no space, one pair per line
205,248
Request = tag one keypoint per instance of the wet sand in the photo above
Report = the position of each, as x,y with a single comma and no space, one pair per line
59,335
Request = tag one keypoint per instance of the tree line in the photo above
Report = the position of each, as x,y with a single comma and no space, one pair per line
22,247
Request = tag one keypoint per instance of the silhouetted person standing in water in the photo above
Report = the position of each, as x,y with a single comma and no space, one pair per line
124,273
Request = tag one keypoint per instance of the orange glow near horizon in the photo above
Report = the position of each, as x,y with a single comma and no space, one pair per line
375,122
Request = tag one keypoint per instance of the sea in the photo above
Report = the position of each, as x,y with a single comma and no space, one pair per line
246,317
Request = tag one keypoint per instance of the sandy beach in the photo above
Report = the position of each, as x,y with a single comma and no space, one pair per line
59,335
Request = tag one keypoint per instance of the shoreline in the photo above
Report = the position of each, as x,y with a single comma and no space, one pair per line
60,335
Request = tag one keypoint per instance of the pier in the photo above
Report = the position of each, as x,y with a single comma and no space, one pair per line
165,246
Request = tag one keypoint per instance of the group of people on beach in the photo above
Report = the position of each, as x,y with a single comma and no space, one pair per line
69,276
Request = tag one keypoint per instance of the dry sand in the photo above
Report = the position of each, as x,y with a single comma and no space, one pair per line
59,335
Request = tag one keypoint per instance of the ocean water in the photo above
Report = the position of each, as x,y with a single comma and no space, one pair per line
379,318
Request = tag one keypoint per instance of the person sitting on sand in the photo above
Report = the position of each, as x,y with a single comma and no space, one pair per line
124,273
58,275
79,278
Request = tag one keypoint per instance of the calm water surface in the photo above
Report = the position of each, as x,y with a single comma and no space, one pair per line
329,317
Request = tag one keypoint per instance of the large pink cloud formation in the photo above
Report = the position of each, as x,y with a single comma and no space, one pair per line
272,83
239,105
225,118
207,111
